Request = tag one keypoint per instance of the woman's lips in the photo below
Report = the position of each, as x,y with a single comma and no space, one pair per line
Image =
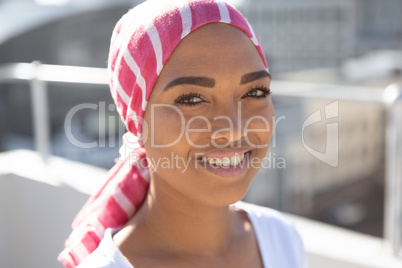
224,152
232,166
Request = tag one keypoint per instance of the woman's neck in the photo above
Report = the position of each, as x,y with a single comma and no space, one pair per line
169,222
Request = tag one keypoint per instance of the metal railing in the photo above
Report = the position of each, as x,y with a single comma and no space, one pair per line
38,75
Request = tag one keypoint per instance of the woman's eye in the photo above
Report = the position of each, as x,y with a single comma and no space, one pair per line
258,93
189,99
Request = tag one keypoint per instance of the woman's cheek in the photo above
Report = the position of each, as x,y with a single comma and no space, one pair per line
167,125
198,131
258,123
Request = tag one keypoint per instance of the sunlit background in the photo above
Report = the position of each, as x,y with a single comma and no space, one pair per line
328,58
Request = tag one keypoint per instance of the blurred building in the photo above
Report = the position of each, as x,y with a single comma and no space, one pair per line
303,34
379,25
309,34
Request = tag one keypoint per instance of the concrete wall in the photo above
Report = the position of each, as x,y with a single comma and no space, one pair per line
38,202
35,220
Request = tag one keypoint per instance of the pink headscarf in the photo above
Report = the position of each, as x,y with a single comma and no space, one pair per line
142,41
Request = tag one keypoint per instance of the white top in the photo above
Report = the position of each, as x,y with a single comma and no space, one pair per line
279,242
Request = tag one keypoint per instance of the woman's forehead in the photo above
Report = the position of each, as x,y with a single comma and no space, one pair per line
214,48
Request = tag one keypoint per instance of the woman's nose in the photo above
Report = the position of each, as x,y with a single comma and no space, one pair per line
227,127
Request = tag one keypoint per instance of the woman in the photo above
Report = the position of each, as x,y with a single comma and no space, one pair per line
202,135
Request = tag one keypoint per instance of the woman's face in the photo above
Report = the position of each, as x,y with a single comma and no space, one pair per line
209,117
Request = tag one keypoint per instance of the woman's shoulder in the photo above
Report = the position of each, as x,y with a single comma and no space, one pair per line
107,254
264,214
269,220
276,235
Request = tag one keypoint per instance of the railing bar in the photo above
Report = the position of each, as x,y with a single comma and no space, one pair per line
40,116
89,75
393,175
70,74
53,73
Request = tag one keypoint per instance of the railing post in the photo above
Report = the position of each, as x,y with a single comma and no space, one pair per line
393,178
40,114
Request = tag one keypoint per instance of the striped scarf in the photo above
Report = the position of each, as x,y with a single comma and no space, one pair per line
142,41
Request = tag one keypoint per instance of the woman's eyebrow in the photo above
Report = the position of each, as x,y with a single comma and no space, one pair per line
250,77
191,80
210,82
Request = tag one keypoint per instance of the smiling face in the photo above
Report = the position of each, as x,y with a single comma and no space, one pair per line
210,117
